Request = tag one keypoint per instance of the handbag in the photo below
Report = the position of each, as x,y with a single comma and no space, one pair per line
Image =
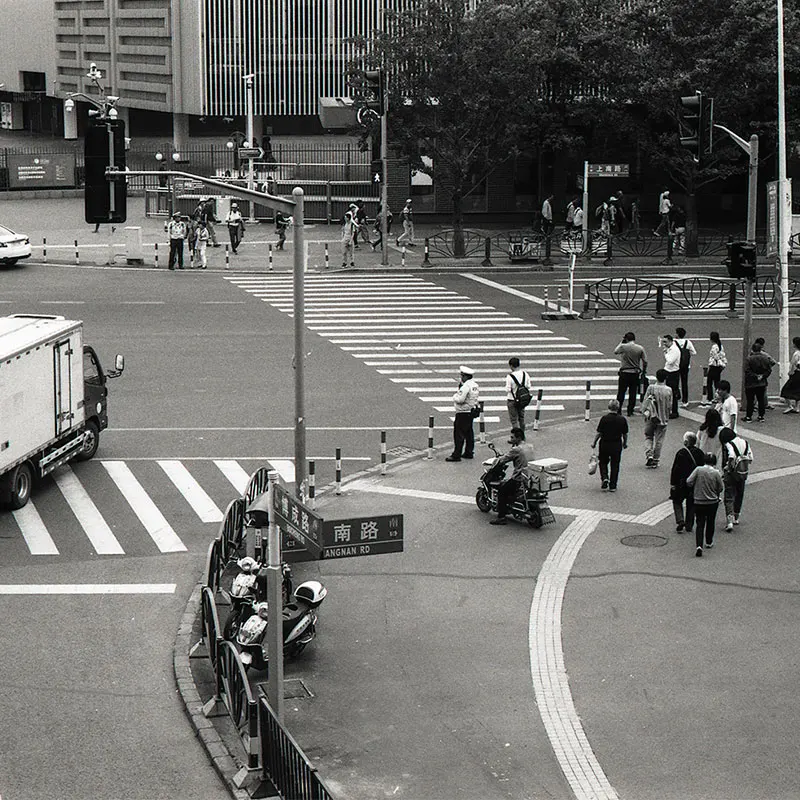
592,463
648,406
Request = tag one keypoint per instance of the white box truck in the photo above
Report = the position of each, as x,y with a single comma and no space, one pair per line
53,400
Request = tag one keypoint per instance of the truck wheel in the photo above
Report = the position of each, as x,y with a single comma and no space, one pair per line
17,486
91,442
482,499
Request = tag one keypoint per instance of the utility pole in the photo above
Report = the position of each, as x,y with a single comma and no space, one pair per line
248,83
384,151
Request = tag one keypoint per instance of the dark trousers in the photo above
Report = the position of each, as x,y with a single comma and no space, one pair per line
609,455
235,233
712,382
684,373
463,435
734,494
506,492
678,501
753,393
628,381
175,253
706,515
673,380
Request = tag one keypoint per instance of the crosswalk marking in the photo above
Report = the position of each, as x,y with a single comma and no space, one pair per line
36,536
284,468
195,495
87,514
154,522
235,474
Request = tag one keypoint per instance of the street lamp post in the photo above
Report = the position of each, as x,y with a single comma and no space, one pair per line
248,83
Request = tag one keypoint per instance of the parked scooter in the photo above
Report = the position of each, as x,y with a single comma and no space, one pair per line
299,619
530,504
248,589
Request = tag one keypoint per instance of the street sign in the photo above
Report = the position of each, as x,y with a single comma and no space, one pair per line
297,521
362,536
345,538
251,152
41,171
609,170
772,219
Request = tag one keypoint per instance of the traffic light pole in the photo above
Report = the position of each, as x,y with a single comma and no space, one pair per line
751,148
384,181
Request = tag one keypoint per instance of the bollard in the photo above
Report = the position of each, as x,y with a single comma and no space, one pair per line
403,257
430,438
426,262
338,470
538,411
659,313
558,299
487,249
227,258
155,257
270,258
77,254
482,425
191,259
312,483
731,312
327,257
383,452
588,401
44,250
596,308
546,298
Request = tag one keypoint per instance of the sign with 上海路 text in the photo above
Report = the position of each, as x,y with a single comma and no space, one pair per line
609,170
31,171
362,536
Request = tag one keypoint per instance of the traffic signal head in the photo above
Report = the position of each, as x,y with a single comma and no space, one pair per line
105,198
741,260
374,87
697,125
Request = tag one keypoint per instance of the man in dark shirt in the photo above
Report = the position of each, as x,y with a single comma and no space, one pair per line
612,433
686,459
520,454
633,365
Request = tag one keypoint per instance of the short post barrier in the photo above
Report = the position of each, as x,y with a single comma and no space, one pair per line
538,411
731,312
227,258
705,383
558,299
338,470
383,452
596,308
546,298
327,257
312,483
670,246
191,259
403,257
430,438
659,313
44,250
77,254
155,254
426,261
487,253
548,244
270,257
482,425
588,401
586,299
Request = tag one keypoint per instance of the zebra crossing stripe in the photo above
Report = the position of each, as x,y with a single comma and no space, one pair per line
87,513
39,541
154,522
235,473
284,468
195,495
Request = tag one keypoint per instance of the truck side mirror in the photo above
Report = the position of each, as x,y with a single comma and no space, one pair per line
119,363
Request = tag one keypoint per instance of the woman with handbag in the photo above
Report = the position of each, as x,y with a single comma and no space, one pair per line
717,361
791,389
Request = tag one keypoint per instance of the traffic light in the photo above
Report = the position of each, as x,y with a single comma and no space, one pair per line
741,260
374,87
376,170
697,122
105,198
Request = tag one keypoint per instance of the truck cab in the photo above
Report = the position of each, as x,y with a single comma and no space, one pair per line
95,399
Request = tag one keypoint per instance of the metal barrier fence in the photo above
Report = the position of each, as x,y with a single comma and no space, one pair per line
692,293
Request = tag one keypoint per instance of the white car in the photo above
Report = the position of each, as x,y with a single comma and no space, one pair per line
13,246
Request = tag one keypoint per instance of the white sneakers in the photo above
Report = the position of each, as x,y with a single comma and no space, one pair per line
729,526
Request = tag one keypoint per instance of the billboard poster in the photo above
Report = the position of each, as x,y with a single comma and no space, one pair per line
41,171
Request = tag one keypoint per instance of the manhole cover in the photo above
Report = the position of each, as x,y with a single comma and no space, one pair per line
400,450
644,540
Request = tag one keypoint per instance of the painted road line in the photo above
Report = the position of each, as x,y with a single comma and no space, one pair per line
750,434
493,370
284,467
235,473
475,349
156,525
87,514
205,508
34,532
503,288
87,588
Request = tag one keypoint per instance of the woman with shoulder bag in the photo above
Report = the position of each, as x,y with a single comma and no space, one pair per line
717,361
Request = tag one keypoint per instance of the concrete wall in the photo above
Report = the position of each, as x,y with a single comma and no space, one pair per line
28,42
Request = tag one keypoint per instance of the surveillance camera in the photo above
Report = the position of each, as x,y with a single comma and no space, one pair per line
92,67
113,113
112,98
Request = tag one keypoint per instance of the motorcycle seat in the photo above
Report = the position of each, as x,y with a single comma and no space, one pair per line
292,613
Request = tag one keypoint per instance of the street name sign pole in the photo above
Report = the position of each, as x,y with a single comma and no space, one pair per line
597,171
275,600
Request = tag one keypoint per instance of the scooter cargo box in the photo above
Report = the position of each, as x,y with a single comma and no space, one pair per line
548,474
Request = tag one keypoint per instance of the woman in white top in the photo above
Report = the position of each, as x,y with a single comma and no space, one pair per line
717,361
791,389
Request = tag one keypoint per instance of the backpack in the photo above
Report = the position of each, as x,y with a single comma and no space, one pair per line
522,396
740,466
686,355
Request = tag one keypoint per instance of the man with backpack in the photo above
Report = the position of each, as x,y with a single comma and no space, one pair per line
687,350
736,459
518,394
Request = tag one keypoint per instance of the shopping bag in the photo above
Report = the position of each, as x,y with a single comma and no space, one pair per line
593,463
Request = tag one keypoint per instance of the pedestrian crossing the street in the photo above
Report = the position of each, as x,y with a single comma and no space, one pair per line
119,508
417,334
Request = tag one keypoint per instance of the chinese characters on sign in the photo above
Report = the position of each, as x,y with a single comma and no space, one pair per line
297,521
609,170
41,171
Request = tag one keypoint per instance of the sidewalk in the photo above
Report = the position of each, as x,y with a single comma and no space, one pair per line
419,685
